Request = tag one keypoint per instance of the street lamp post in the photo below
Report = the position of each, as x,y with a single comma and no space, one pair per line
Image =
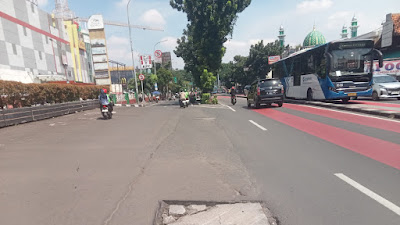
133,61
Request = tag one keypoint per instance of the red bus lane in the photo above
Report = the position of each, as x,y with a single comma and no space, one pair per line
374,148
352,118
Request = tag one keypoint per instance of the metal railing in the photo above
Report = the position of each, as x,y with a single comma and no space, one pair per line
16,116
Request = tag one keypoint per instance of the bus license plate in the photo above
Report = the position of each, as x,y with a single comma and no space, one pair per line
352,94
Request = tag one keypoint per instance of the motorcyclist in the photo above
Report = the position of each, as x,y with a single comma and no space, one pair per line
233,95
233,92
182,97
104,99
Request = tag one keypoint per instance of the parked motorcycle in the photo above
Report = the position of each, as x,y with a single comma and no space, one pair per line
105,111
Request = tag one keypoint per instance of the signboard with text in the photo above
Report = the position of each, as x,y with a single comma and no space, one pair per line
95,22
391,67
145,62
273,59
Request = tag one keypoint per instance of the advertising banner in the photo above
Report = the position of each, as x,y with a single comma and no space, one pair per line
391,67
273,59
100,58
100,66
101,74
98,43
99,51
95,22
145,62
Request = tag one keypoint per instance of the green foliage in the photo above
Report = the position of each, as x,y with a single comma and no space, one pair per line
207,80
205,98
210,22
214,100
244,70
18,94
257,61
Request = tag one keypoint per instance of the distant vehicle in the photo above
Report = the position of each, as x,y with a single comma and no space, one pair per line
385,86
335,70
265,91
246,90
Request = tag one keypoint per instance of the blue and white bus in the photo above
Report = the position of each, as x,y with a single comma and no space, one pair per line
334,70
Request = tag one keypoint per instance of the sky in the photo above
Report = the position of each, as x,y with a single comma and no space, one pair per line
260,21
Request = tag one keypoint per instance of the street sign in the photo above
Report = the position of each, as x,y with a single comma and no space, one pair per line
145,62
175,80
141,77
155,86
158,53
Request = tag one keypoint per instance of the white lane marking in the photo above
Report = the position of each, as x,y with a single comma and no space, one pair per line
358,114
369,193
258,125
228,107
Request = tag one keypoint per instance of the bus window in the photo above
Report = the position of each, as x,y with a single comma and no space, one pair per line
320,63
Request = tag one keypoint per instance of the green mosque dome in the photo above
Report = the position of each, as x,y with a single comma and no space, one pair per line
314,38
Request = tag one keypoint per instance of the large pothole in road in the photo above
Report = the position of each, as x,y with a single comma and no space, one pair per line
224,213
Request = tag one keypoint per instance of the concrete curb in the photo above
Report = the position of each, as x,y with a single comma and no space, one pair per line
348,107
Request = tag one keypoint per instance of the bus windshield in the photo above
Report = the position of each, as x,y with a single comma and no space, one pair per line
349,61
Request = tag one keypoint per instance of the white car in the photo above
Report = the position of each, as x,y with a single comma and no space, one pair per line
385,86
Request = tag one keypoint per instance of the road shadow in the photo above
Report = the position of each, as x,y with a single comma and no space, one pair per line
273,106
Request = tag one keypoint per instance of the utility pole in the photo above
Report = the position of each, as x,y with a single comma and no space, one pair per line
133,61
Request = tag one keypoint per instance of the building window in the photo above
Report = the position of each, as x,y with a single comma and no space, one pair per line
24,28
40,55
14,49
33,8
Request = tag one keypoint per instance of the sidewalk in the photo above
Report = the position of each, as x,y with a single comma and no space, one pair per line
373,108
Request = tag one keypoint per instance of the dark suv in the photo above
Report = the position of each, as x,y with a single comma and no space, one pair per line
265,91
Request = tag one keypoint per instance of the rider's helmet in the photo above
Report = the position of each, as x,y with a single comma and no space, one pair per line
105,91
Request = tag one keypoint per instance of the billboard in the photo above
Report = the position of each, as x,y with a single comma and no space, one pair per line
101,74
100,58
99,51
98,43
145,62
391,67
101,66
273,59
95,22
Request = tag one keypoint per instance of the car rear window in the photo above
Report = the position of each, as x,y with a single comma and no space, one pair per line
269,83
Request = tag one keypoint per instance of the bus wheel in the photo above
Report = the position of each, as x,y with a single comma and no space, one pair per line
309,95
345,100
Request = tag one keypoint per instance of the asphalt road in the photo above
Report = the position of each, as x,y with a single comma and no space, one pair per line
310,165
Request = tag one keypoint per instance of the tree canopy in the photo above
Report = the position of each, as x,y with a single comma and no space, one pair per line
209,24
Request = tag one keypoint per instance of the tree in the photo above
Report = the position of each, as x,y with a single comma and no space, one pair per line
257,62
164,77
201,46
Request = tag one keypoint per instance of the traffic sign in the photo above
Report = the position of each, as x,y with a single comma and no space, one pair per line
158,53
141,77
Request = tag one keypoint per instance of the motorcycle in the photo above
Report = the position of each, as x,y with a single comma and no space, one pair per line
184,103
233,100
105,111
157,98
